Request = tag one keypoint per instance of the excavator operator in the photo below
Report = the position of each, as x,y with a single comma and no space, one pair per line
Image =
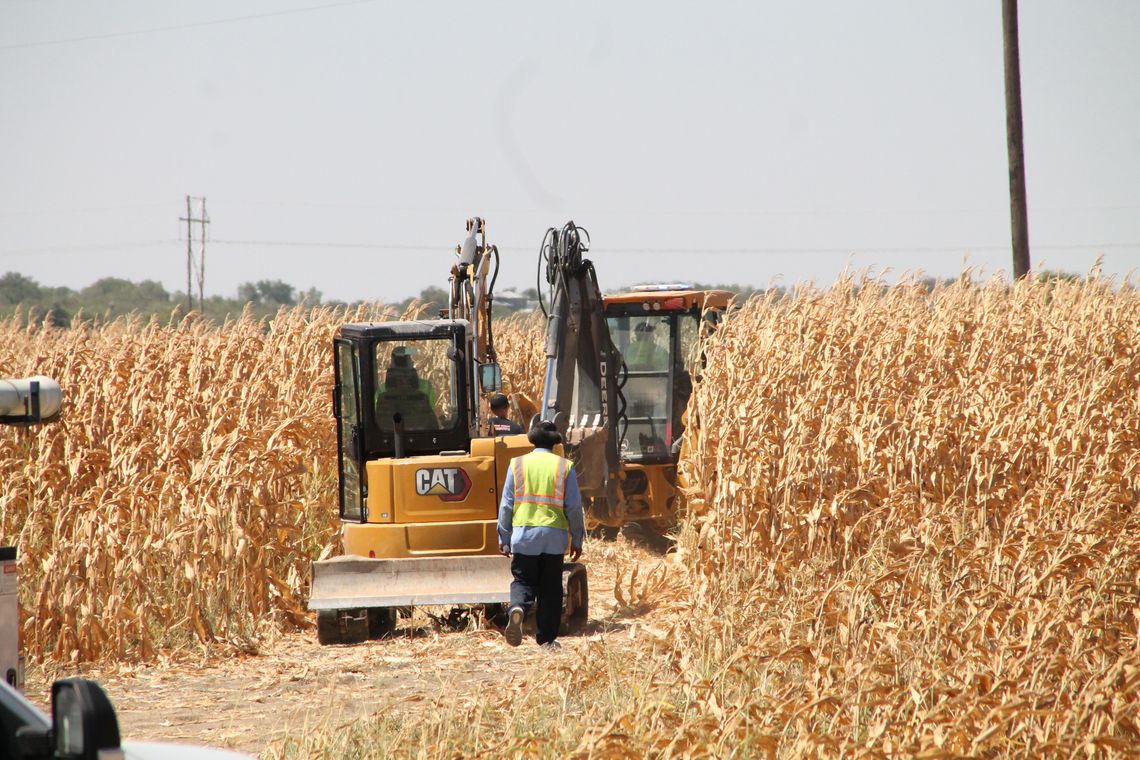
406,393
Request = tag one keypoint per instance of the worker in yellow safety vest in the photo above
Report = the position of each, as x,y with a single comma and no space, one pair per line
540,517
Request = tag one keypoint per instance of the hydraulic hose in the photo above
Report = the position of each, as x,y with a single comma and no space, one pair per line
490,302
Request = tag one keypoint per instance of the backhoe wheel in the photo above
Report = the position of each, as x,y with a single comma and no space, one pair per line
342,626
381,622
575,597
605,532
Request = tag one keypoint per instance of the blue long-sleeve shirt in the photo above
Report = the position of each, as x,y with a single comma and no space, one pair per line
541,539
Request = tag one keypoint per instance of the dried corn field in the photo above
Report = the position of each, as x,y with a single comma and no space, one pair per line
913,528
915,521
521,346
187,485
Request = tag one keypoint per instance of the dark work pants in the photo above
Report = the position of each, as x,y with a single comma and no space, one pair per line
539,575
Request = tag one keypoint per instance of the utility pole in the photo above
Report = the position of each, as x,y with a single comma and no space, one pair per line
1019,214
189,219
202,221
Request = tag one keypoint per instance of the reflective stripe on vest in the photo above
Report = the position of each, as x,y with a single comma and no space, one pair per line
540,487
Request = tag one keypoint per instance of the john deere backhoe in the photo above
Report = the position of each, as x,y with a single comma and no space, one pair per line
620,370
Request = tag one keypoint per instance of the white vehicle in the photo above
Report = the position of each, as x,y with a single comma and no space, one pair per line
82,726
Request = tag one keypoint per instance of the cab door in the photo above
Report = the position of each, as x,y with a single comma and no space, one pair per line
346,408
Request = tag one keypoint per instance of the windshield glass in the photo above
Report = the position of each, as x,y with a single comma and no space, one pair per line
416,379
643,341
645,344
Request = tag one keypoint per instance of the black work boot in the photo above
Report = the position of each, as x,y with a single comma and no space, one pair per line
513,632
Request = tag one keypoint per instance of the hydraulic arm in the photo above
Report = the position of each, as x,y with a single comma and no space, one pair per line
581,391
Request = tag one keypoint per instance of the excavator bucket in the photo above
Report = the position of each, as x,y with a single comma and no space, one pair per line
360,582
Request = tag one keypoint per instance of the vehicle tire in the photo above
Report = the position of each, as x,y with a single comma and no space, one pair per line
657,536
381,622
494,615
605,532
575,597
342,626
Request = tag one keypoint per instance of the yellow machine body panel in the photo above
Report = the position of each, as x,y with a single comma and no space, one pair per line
656,491
432,489
438,505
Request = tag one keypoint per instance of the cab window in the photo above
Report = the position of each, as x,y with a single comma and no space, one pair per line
416,379
646,345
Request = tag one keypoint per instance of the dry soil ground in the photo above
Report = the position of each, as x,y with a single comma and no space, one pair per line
251,702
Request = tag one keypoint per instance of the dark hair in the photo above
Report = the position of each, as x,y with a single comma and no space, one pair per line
544,435
498,401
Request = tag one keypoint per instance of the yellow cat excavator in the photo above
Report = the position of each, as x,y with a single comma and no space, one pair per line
419,478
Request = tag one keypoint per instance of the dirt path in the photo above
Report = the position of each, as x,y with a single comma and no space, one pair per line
248,702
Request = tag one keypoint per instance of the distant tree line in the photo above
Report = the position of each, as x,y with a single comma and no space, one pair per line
113,297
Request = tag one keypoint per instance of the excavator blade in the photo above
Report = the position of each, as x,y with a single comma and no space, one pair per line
352,582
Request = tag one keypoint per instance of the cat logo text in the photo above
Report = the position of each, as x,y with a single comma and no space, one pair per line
448,483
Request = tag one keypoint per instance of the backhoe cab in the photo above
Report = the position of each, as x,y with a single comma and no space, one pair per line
658,329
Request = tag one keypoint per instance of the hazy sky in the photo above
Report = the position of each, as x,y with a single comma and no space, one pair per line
725,142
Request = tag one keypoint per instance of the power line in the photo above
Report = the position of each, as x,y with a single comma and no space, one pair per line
364,246
176,27
87,247
92,247
690,249
978,211
728,213
84,210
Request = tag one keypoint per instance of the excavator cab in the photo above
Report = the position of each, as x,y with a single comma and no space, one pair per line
402,389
